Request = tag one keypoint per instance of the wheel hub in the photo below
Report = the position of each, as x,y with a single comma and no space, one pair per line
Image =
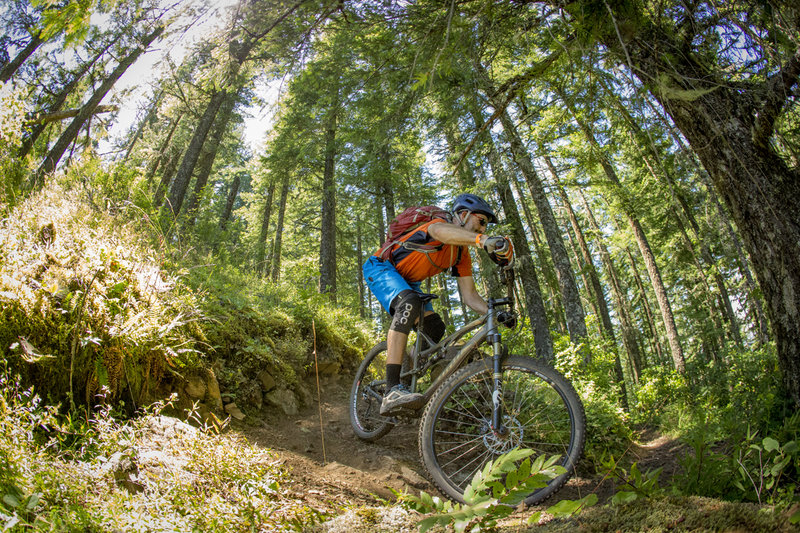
500,444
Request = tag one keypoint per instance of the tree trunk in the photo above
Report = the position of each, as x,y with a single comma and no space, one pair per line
543,342
742,262
628,328
12,66
261,247
151,115
173,157
641,239
359,271
162,154
192,154
59,99
550,278
71,132
729,128
276,250
232,194
705,252
573,309
591,272
206,161
327,250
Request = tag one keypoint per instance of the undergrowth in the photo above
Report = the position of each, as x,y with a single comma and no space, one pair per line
153,473
94,294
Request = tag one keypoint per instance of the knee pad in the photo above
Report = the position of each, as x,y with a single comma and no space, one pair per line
434,327
406,311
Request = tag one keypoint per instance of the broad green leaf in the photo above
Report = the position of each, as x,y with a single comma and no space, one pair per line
623,497
564,508
770,444
427,500
11,500
535,517
778,468
795,518
426,523
33,501
512,479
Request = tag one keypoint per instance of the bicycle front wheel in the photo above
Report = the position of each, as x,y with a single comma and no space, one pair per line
366,395
541,411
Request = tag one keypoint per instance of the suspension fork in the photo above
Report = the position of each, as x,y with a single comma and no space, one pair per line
498,353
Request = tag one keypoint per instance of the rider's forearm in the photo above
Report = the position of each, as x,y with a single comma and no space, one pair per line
476,303
452,234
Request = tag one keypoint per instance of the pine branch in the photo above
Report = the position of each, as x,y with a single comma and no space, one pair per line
47,118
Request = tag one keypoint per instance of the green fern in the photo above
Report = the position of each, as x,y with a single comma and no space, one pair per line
494,493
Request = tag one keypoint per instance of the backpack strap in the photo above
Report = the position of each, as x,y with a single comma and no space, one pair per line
453,271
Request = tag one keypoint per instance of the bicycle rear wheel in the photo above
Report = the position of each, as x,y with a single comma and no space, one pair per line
541,410
366,395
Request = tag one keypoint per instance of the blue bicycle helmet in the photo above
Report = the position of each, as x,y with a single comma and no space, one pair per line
473,204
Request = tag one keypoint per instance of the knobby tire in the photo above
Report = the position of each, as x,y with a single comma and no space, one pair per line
542,412
366,394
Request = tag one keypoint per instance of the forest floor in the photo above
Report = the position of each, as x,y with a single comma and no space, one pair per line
350,474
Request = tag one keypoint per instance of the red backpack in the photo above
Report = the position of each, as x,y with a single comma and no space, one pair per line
406,222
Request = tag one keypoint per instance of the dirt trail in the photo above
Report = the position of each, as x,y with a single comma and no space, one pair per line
355,472
360,470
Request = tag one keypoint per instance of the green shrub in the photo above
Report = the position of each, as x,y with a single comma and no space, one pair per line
84,305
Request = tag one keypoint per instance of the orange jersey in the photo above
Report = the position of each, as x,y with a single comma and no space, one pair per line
415,265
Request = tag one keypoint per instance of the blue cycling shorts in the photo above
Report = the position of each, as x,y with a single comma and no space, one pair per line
386,283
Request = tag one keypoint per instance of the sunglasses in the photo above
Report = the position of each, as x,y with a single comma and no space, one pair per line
482,220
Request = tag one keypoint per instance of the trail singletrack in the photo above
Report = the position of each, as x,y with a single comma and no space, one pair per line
365,472
355,472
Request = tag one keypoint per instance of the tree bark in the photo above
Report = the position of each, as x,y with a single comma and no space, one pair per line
192,154
261,247
628,328
172,157
71,132
573,309
542,340
148,119
206,161
705,251
729,127
60,98
276,250
161,156
327,250
550,277
659,288
47,118
232,194
754,302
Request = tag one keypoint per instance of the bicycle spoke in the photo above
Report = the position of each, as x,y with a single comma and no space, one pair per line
480,460
460,445
483,460
540,411
445,465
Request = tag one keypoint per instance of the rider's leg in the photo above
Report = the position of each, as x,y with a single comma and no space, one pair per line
405,310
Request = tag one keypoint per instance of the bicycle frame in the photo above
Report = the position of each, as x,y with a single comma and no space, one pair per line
488,332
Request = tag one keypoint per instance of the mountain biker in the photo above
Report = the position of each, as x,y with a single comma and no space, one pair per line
396,282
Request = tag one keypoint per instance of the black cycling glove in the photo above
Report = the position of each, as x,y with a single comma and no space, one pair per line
507,318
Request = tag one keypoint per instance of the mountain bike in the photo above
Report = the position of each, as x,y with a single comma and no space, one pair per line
478,402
